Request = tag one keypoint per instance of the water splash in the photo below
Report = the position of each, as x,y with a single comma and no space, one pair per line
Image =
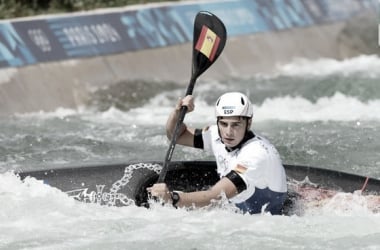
364,65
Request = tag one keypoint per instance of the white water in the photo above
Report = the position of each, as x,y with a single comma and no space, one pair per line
339,107
367,65
35,216
336,108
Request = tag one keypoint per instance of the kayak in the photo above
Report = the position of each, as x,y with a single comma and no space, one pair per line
124,184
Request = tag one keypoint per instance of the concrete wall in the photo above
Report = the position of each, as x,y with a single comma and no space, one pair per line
46,86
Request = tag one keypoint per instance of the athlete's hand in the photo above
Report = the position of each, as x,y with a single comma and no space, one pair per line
187,101
160,190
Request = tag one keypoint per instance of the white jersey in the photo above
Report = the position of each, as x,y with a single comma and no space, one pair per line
256,161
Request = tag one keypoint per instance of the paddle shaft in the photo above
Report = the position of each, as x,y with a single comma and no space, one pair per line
178,125
209,40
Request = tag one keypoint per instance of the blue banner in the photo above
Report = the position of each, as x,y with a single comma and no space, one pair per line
40,40
76,36
90,35
152,28
13,50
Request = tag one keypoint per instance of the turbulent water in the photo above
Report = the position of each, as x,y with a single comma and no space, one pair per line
322,113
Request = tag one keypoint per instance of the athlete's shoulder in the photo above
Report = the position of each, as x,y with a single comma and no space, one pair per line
259,144
256,141
212,130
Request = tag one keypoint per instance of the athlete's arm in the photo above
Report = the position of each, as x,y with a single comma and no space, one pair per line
199,198
185,135
204,198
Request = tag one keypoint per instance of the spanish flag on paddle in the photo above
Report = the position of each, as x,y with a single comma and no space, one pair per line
207,43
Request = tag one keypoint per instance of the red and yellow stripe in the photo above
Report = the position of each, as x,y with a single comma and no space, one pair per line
240,169
207,43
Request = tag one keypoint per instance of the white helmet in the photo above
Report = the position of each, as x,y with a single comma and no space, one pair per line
233,104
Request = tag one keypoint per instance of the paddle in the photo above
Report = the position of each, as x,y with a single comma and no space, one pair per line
209,39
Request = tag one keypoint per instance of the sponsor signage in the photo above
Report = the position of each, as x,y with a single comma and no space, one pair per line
76,36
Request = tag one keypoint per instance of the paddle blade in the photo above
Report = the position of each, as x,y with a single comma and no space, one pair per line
209,39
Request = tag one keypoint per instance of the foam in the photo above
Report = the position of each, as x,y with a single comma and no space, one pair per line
338,107
365,65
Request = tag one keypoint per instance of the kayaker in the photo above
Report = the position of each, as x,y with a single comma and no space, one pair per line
251,172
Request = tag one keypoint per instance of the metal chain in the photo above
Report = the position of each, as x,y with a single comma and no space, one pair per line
128,171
